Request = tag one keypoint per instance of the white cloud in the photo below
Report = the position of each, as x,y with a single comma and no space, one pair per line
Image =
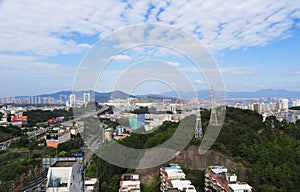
122,58
198,82
40,30
172,63
48,29
243,70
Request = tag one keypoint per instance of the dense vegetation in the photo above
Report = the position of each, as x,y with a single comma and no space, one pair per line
24,156
109,175
39,116
271,149
152,110
9,132
295,108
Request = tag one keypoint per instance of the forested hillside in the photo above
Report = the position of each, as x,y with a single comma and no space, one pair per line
271,149
38,116
9,132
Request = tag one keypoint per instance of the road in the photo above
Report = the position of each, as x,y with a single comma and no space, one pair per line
88,151
30,135
37,183
5,144
36,133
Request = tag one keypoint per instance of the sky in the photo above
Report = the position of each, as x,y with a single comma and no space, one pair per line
255,43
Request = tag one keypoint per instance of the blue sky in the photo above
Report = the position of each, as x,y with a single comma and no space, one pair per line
255,43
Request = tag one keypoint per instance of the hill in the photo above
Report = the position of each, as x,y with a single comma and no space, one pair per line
265,154
271,149
204,94
100,97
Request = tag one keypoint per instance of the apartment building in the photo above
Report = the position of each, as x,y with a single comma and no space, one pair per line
130,183
218,179
173,179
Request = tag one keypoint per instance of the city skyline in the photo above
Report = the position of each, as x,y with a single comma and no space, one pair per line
255,43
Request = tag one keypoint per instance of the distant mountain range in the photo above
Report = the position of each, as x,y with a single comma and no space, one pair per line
205,94
267,93
263,93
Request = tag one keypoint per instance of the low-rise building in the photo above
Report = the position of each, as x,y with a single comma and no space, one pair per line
65,176
56,136
130,183
108,134
174,179
91,185
240,187
218,179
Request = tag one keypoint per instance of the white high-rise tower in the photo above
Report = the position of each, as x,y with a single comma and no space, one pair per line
283,104
72,100
86,98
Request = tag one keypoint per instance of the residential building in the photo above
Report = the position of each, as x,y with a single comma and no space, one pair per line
56,136
240,187
72,100
174,179
130,183
86,98
218,179
108,134
91,185
283,104
77,128
296,103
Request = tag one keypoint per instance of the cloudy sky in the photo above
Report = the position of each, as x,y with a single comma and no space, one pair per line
255,43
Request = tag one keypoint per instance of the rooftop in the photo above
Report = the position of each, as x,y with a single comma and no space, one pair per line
219,171
240,186
64,164
183,185
130,182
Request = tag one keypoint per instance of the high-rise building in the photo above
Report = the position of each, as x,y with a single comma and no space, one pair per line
86,98
136,121
72,100
283,104
63,98
296,103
